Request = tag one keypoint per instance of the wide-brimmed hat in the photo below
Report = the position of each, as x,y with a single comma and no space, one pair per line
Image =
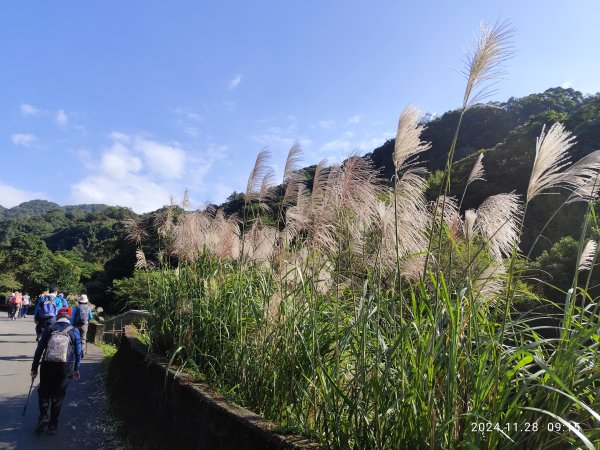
82,299
64,311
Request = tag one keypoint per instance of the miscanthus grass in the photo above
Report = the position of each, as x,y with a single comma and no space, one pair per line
368,318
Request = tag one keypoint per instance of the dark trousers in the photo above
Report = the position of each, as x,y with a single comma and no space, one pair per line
41,326
54,379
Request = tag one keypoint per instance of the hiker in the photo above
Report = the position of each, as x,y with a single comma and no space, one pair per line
54,295
61,347
82,314
16,305
61,301
44,314
11,304
25,305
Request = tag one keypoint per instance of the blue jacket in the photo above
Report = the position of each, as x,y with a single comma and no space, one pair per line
60,302
75,311
74,355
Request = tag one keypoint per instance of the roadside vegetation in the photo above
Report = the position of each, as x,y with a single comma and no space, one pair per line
367,314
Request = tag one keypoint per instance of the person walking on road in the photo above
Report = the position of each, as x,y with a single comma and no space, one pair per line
60,346
45,312
25,305
82,314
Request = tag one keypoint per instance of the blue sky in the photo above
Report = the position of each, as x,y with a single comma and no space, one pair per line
130,102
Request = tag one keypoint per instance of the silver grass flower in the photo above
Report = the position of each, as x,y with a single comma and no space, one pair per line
587,256
319,188
484,60
469,224
294,182
477,171
292,162
141,261
585,176
136,232
412,215
164,222
408,143
266,184
354,191
185,202
257,175
297,217
498,219
412,267
449,206
551,158
490,283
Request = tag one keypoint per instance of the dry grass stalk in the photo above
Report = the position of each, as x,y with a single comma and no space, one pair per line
408,143
292,162
490,283
483,63
582,177
191,235
477,171
412,267
550,158
587,256
140,260
163,223
257,175
266,185
185,202
136,232
449,206
355,190
498,219
469,224
260,242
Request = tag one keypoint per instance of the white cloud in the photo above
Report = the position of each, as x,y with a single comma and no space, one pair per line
355,119
119,163
29,110
234,83
165,161
566,85
12,196
119,137
23,139
346,146
326,124
143,174
61,118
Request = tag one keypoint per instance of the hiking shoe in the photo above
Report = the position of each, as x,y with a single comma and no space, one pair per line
52,429
42,422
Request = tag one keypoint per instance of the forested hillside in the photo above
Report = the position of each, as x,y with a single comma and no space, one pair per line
87,247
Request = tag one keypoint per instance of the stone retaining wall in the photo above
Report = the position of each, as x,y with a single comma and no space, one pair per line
178,412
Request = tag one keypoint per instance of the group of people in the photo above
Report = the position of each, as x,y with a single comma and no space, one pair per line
18,305
61,336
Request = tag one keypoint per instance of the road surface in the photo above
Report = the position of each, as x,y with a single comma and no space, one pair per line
84,422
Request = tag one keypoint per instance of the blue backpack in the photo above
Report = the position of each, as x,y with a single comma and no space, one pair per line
47,310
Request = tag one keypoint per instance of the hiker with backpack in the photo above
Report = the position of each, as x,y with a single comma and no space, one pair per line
60,346
25,305
44,315
61,301
82,314
12,301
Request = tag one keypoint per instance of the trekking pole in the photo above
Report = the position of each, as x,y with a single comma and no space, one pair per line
28,395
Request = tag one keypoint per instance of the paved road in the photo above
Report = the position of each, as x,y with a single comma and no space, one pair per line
84,422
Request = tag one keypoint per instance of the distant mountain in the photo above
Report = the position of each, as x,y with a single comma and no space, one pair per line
34,208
